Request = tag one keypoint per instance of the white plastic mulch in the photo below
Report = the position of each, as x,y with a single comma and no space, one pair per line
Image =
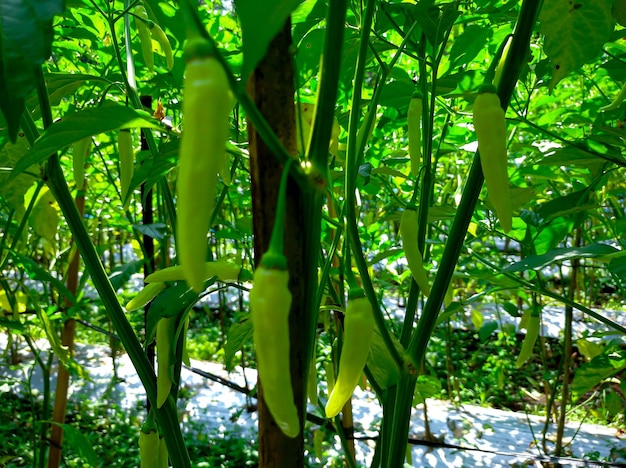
222,408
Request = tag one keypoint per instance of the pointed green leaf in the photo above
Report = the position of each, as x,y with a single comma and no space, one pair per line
76,440
380,363
25,43
536,262
601,367
619,12
436,20
574,33
83,124
239,334
37,272
261,20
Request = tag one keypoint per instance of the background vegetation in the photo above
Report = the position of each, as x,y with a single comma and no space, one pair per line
74,72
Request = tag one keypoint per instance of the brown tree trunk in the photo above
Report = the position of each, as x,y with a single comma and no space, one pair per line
271,88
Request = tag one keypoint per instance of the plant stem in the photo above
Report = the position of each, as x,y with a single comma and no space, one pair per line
567,349
426,324
350,179
167,417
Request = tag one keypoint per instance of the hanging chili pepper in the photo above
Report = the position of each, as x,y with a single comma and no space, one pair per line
270,304
358,327
408,235
490,126
206,106
414,120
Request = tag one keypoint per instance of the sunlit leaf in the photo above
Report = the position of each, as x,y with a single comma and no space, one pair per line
562,22
536,262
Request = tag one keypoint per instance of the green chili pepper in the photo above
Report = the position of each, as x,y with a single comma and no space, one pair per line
145,38
163,455
490,126
144,296
270,303
224,270
532,333
358,327
149,443
414,119
206,106
312,383
157,34
617,101
148,448
79,154
408,235
165,335
127,162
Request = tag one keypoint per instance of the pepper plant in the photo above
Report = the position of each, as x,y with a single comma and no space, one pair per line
368,105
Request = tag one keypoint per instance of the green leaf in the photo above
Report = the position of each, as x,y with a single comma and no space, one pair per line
574,33
569,156
157,231
487,330
239,334
619,12
12,325
60,351
435,20
536,262
122,273
601,367
261,20
37,272
380,363
168,303
589,349
13,192
61,85
468,44
25,43
427,386
83,124
73,438
617,266
568,204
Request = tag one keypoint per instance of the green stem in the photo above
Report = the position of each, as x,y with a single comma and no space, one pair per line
327,95
350,181
168,418
426,324
277,240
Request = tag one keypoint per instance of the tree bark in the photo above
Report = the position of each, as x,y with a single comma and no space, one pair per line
271,87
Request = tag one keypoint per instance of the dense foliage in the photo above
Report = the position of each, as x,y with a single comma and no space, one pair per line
92,102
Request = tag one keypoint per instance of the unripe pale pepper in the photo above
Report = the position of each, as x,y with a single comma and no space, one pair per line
165,347
79,154
270,302
490,126
157,34
224,270
206,106
145,38
149,443
414,120
144,296
358,327
127,161
148,448
532,333
408,234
